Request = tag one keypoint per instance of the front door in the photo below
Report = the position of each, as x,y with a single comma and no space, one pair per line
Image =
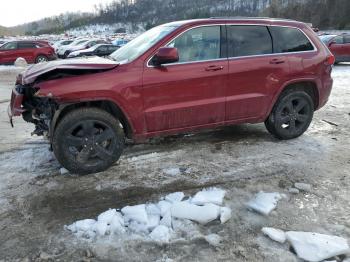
190,92
8,53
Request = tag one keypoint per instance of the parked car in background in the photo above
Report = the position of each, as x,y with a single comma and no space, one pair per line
119,42
31,51
339,45
60,43
82,46
177,78
97,50
62,49
2,42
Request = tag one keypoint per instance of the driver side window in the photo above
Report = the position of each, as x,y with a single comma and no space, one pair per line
9,46
198,44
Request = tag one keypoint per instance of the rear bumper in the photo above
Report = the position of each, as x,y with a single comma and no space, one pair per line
52,57
325,92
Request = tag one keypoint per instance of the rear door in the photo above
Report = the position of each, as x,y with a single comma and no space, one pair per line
27,50
337,47
190,92
254,71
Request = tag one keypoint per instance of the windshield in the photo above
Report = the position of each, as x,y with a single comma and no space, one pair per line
141,44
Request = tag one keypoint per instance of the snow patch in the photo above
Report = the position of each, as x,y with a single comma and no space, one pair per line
27,159
213,239
303,187
264,203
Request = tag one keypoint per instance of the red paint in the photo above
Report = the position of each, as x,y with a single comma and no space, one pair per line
184,97
29,54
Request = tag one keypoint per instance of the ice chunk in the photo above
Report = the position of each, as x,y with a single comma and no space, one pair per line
225,214
82,225
100,227
153,221
212,195
303,187
164,207
166,220
160,234
264,203
201,214
137,213
117,224
293,190
213,239
63,171
107,216
275,234
175,197
316,247
152,209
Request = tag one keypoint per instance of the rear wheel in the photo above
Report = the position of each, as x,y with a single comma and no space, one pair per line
41,59
88,140
291,115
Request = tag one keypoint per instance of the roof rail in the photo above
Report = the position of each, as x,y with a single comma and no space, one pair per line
250,18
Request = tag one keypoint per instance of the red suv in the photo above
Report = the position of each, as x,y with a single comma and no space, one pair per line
176,78
339,45
31,51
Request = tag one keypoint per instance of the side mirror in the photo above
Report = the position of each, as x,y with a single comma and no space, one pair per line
332,43
165,55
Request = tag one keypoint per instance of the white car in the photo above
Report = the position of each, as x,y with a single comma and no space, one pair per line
62,50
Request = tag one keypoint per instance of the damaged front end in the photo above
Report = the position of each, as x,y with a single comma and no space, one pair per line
34,109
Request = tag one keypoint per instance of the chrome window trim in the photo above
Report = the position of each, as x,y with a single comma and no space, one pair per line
315,49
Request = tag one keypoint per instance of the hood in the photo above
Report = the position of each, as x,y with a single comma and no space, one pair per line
94,63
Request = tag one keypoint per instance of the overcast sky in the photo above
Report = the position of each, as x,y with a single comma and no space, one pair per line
15,12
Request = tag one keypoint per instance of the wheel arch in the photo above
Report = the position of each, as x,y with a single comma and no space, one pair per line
309,86
106,105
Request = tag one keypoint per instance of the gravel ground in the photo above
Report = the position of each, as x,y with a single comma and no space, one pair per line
36,201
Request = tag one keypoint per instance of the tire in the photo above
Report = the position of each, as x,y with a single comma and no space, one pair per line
41,59
291,115
88,140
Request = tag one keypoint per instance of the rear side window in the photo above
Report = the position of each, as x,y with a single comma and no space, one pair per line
347,39
26,45
287,39
248,40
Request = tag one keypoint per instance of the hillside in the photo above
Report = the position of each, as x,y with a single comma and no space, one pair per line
325,14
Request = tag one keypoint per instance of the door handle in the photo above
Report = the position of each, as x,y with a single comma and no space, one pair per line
214,68
277,61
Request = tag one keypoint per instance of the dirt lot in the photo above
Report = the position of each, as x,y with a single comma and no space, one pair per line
36,201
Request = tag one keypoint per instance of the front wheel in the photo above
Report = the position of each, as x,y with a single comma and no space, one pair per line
291,115
88,140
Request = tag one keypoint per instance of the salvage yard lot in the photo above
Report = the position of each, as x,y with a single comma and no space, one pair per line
36,201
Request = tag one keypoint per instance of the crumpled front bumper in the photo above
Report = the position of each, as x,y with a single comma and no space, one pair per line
15,107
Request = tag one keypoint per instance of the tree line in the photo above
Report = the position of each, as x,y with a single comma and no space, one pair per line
324,14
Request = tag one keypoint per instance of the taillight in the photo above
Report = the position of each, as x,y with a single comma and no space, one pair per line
330,60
